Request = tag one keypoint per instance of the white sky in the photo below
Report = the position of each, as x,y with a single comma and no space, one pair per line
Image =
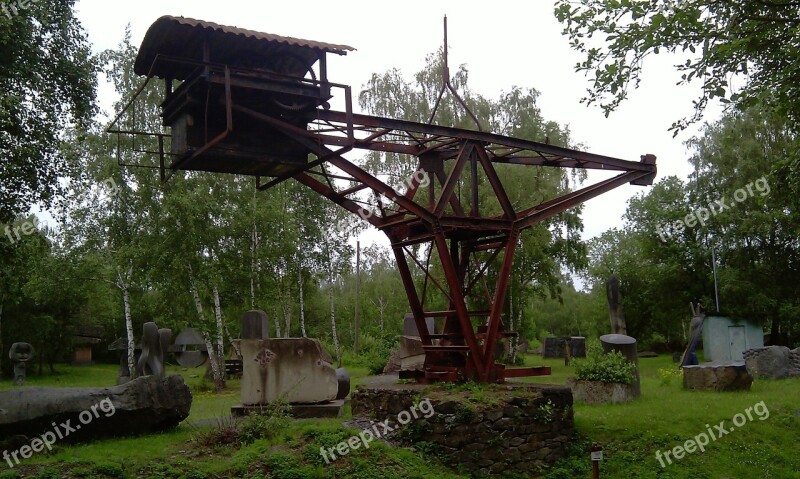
503,43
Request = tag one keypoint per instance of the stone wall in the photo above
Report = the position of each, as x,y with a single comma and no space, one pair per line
517,428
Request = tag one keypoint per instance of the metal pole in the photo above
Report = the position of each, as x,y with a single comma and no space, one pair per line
358,287
714,267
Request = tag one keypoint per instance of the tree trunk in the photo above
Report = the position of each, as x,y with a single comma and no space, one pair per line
302,305
219,382
253,244
126,302
253,248
286,305
220,334
775,334
333,321
277,323
381,309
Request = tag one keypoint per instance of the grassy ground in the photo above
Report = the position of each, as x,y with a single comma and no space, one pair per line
667,416
664,417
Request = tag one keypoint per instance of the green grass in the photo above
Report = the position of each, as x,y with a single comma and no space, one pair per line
664,417
667,415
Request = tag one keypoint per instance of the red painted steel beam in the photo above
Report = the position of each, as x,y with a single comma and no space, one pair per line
457,295
589,160
411,293
553,207
452,179
499,301
497,185
334,196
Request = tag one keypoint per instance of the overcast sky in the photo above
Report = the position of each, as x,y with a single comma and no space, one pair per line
503,43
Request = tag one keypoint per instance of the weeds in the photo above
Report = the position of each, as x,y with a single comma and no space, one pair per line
265,424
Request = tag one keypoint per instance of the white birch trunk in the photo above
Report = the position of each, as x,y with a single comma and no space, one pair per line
381,309
277,323
302,305
253,248
126,302
220,333
253,244
333,321
213,362
287,314
212,356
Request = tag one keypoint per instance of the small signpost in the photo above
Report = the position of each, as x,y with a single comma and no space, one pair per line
596,453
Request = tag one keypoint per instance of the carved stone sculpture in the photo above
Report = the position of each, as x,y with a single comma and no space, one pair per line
151,362
20,354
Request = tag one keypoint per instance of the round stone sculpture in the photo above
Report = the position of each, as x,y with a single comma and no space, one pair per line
190,349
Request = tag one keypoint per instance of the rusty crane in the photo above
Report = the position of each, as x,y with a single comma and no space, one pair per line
257,104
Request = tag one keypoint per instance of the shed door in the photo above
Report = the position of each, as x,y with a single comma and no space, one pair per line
738,343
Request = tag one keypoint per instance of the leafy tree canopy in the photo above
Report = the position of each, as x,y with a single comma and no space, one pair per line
47,85
714,40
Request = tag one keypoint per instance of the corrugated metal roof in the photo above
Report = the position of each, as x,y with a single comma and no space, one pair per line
184,37
328,47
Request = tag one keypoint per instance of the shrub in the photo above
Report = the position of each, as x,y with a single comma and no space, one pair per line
608,368
223,433
265,424
271,420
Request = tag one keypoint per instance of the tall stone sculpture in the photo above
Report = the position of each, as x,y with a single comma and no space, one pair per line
151,362
20,354
615,306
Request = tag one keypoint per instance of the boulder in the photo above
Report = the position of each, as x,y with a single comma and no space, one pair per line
794,359
731,376
771,362
143,405
393,365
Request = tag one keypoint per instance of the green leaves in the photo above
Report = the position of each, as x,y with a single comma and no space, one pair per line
734,37
611,367
47,85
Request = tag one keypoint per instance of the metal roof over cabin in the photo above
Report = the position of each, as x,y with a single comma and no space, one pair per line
181,37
